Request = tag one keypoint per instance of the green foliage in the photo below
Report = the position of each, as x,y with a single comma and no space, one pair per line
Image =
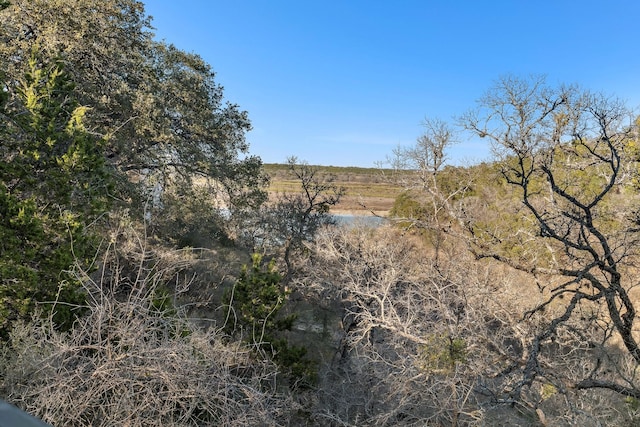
47,151
92,109
548,390
162,305
53,181
406,206
189,217
37,254
162,302
442,353
632,403
163,116
257,299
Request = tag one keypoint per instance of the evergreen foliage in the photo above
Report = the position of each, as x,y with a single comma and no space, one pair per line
161,115
408,208
96,115
257,300
53,183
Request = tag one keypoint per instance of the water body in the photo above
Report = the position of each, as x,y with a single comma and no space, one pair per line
342,219
359,220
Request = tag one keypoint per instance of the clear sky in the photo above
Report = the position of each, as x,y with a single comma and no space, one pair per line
344,82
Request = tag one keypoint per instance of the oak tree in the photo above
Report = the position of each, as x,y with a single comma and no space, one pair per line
566,152
162,115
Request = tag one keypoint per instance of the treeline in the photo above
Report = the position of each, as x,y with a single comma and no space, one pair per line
146,278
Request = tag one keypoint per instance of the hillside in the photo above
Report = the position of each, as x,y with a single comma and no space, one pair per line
367,190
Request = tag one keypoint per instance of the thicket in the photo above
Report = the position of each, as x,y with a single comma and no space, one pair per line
134,358
96,116
255,305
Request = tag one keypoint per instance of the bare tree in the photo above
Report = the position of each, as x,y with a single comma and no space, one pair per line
426,158
294,218
575,231
419,169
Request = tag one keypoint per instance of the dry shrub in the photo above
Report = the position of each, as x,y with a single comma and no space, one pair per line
412,348
133,360
441,340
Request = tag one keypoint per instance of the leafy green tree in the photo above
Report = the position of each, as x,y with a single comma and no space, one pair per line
53,182
48,152
159,109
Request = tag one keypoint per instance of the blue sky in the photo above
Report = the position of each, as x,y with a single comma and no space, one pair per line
339,82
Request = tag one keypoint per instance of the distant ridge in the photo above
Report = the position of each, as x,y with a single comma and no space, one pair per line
277,167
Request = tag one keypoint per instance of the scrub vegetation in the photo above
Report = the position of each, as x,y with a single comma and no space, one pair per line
154,273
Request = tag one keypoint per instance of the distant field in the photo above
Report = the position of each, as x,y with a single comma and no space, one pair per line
366,189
